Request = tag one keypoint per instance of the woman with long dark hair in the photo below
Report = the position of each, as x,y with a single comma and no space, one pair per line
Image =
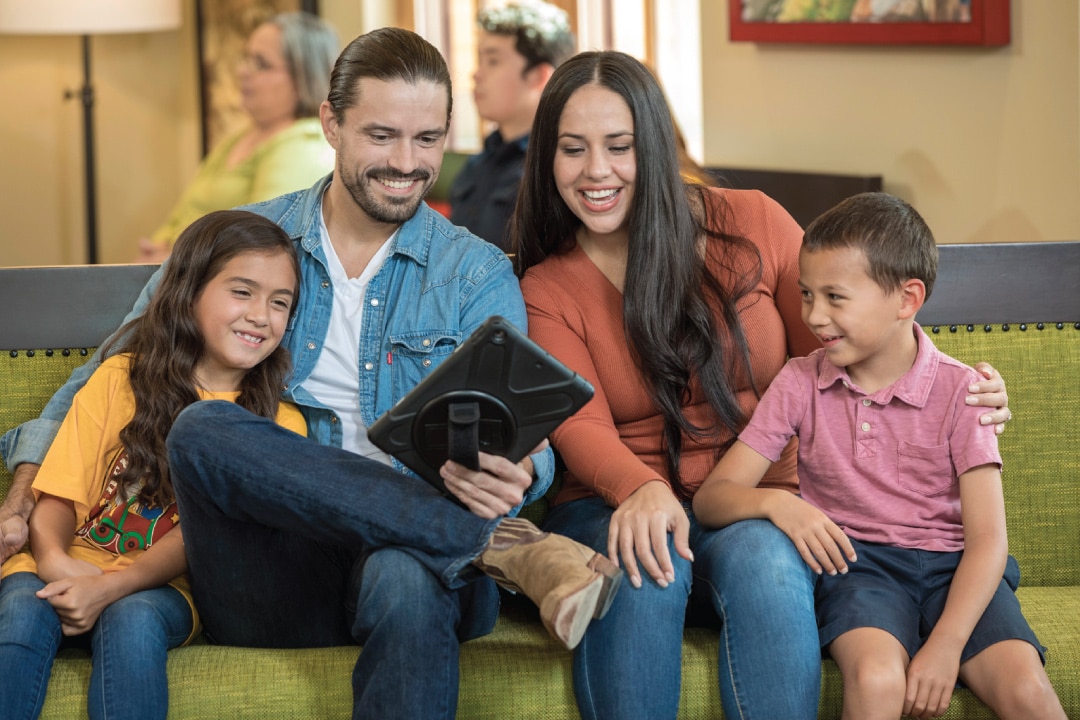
679,303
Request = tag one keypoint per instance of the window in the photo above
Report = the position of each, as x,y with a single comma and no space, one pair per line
654,32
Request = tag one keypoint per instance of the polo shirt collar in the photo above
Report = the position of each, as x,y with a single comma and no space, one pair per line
913,387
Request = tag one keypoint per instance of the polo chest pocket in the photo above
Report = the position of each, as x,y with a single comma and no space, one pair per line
415,355
926,470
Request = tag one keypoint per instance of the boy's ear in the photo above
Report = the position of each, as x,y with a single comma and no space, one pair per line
912,297
539,75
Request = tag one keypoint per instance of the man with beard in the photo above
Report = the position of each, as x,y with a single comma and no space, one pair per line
293,543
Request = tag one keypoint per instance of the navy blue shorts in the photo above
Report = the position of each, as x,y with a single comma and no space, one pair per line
903,591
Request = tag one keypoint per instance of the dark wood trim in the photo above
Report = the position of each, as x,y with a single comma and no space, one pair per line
72,306
78,306
997,283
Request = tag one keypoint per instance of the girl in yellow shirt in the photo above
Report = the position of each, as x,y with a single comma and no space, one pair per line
106,565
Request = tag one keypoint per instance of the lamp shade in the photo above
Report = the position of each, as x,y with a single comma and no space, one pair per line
87,17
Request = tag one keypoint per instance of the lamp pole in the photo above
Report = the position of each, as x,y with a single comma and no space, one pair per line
86,18
86,94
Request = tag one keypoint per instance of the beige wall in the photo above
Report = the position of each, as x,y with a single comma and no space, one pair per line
147,140
986,143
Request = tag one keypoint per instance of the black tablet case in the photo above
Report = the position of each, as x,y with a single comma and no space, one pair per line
498,392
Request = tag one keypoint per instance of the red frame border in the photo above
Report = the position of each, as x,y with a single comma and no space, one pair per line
989,27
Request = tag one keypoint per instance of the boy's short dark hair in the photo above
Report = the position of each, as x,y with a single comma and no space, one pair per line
895,239
540,30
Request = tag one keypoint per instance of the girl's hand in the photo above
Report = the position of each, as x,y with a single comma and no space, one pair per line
55,566
931,677
496,488
78,601
991,393
638,531
820,541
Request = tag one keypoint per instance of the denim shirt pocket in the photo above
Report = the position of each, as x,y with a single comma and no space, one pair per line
416,354
926,470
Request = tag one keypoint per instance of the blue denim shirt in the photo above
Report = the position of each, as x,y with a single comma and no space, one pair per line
438,284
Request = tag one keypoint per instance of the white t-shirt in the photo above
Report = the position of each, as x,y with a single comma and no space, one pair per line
335,381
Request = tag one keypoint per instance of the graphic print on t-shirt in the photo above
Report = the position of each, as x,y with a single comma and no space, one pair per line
122,524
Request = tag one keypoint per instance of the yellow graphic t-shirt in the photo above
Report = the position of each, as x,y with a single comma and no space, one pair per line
114,528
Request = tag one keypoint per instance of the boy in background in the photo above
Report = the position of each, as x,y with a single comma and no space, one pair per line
520,45
902,514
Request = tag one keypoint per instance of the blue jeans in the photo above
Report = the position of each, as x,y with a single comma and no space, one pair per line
295,544
128,644
747,577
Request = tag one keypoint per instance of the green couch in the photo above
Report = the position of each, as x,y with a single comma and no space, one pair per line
987,305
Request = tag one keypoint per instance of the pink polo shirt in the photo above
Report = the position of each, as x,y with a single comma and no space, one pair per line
882,466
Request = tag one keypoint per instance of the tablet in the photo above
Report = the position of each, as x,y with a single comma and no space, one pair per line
498,392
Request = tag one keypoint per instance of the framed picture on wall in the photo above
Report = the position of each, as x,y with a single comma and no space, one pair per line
223,29
871,22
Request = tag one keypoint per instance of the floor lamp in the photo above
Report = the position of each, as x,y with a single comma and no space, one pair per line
86,18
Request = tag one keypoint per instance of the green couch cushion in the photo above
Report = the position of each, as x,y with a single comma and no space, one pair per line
28,381
1041,465
516,672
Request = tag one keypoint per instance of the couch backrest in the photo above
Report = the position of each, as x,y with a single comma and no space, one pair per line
1015,306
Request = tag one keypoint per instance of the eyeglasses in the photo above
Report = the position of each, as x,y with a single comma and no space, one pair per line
257,63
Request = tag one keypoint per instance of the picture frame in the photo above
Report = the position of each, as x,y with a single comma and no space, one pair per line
978,23
223,27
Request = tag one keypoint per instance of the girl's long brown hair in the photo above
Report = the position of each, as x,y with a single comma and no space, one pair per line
165,343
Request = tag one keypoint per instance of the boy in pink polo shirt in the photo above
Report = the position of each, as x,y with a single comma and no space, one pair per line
901,513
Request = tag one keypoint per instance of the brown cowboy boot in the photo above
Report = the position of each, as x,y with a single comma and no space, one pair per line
569,582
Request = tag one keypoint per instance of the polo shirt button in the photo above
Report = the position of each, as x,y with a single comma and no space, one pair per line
866,402
368,366
866,427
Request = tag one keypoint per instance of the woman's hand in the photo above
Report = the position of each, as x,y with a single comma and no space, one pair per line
991,393
150,253
638,532
820,541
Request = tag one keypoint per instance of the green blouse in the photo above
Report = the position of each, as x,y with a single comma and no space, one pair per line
291,160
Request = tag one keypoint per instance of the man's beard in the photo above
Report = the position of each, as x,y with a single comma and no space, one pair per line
394,210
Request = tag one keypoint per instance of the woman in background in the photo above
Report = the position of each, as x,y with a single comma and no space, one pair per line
284,76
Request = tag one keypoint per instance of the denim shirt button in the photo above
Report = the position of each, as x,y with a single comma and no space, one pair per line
374,302
427,342
368,366
427,362
333,420
325,284
311,346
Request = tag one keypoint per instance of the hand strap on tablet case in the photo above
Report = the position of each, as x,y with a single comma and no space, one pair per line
463,433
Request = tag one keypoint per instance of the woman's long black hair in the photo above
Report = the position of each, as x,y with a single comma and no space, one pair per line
681,323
